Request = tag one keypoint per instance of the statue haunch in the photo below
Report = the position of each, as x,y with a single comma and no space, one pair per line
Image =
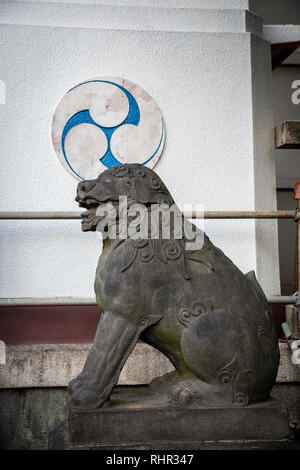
195,306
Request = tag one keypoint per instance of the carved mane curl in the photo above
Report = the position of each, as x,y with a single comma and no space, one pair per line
148,189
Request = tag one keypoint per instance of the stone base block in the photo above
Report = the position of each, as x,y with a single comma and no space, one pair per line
131,421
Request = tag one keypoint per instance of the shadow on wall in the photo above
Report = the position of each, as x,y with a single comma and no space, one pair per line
277,11
287,237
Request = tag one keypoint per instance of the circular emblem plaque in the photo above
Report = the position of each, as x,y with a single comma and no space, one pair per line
104,122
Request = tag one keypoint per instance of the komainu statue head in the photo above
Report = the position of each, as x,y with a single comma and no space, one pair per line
140,185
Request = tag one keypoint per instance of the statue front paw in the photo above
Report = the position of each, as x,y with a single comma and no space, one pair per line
84,395
74,383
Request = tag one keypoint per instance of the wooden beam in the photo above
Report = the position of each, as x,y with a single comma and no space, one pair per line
287,135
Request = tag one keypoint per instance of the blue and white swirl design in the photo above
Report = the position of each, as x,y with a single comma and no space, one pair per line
105,122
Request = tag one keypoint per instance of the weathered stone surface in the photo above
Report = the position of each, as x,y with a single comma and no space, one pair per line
27,416
262,421
287,372
9,407
54,365
287,135
289,394
177,292
41,365
32,419
42,410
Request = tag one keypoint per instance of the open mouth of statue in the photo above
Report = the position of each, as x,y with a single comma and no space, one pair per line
89,217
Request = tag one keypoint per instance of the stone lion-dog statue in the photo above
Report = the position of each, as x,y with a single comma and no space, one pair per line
195,306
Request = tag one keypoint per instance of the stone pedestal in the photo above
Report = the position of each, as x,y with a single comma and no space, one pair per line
141,420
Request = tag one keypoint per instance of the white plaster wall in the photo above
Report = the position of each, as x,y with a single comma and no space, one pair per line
203,85
204,4
267,261
121,17
282,33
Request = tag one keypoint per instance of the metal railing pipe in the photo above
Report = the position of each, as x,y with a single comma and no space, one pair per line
39,301
22,215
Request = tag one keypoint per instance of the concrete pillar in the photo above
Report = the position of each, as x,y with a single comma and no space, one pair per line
208,68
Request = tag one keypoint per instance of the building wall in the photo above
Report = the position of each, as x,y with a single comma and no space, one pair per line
208,71
277,11
287,170
204,82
